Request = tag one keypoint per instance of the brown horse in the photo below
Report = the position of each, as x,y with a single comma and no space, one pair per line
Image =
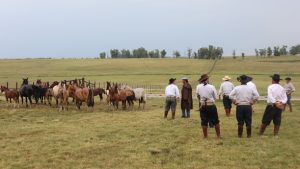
117,96
11,94
99,92
84,95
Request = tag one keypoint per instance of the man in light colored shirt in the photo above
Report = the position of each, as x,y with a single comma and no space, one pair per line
171,93
289,89
243,97
225,89
276,101
208,111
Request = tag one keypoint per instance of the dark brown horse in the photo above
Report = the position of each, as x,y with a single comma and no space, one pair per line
99,92
11,94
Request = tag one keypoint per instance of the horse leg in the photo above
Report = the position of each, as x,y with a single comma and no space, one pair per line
26,101
30,101
139,103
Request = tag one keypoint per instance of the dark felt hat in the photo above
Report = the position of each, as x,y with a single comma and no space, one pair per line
203,77
276,77
288,78
172,80
243,78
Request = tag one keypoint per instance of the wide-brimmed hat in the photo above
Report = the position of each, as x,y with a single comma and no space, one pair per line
203,77
243,78
288,78
276,77
225,78
249,79
172,80
184,78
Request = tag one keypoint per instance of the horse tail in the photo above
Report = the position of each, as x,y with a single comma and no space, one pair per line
90,98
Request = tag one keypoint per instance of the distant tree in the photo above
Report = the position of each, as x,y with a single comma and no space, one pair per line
262,52
276,51
102,55
114,53
163,53
156,53
295,50
233,54
176,54
243,56
140,53
256,53
219,52
189,53
269,51
151,54
283,50
203,53
125,53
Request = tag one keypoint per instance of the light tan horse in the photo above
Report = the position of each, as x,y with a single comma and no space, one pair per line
84,95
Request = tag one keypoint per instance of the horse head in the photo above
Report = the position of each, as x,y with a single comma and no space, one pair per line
25,81
108,85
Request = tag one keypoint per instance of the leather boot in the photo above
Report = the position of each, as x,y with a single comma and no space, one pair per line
240,131
276,130
218,131
227,112
166,114
249,132
204,129
173,114
262,129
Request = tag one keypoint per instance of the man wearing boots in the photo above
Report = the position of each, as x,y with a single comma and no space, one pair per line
186,98
225,89
276,101
172,94
243,97
208,110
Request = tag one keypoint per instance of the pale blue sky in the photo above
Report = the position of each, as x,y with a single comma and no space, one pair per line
83,28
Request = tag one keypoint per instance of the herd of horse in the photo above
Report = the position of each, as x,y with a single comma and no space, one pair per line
61,92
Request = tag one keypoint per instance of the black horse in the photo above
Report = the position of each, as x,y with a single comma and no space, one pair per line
26,91
39,93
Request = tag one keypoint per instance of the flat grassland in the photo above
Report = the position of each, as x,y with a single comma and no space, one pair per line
42,137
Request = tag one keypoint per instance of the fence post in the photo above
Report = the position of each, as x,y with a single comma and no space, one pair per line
6,84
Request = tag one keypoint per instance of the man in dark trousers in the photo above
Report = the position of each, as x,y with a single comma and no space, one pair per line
186,98
208,110
244,97
172,94
276,101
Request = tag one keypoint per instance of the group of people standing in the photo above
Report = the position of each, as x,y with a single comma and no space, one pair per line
243,96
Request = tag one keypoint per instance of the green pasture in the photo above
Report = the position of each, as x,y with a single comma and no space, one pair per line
42,137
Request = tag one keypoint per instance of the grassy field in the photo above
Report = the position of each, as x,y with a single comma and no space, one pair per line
42,137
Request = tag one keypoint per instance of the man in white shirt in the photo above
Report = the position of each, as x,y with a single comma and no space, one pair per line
243,97
225,89
276,102
289,89
171,93
208,111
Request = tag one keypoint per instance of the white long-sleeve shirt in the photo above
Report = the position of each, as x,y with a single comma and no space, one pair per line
172,91
276,93
252,85
244,95
207,93
289,88
225,88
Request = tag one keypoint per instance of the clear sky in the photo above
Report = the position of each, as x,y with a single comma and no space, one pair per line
83,28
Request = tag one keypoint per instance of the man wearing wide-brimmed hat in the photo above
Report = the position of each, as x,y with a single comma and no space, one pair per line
275,104
289,89
172,94
244,97
186,98
208,110
225,89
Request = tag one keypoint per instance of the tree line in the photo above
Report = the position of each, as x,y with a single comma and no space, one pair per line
277,51
210,52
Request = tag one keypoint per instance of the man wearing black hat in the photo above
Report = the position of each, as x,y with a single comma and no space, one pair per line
208,110
276,102
289,89
171,93
244,97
